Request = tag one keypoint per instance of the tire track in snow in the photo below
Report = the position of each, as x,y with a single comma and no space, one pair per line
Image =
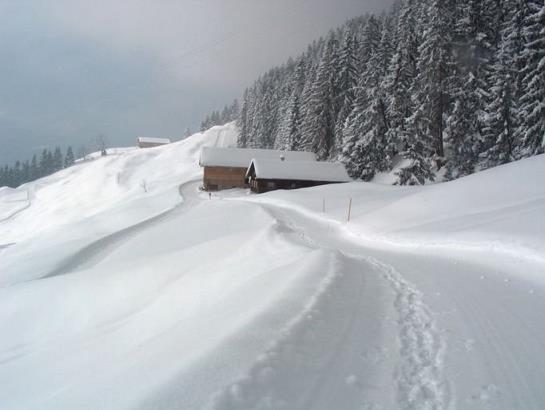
311,354
419,376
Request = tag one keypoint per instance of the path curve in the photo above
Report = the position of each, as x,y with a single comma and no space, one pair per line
17,212
94,252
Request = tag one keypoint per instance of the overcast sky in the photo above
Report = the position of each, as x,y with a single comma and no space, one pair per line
71,69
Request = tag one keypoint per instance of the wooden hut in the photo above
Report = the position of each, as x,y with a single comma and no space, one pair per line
225,168
264,175
145,142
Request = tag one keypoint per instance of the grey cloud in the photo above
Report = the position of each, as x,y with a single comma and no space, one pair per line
73,68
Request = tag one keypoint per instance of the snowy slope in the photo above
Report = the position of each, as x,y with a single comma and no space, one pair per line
94,199
112,297
499,209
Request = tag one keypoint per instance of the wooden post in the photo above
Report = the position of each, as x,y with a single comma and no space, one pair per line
349,210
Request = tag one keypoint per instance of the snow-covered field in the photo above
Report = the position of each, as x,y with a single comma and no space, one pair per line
123,286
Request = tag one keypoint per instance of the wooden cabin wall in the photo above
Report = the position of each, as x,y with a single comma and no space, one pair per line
217,178
261,186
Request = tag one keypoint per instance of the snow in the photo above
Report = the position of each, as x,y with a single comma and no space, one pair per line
241,157
113,297
154,140
102,196
299,170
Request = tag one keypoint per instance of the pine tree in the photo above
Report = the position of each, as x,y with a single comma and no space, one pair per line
25,172
34,168
16,178
345,83
58,162
366,138
318,131
402,72
3,176
432,87
69,158
463,130
532,130
367,126
289,134
477,34
45,163
503,109
417,152
243,120
349,155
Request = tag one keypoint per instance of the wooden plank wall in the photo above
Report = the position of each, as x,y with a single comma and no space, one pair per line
224,178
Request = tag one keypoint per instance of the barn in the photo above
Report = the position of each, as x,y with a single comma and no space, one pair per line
265,175
225,168
145,142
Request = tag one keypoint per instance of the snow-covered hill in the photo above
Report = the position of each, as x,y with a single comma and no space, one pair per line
123,286
96,198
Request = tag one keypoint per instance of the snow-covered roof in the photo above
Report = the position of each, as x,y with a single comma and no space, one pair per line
299,170
241,157
154,140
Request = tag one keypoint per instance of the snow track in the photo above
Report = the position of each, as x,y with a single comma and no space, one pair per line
420,380
453,350
417,366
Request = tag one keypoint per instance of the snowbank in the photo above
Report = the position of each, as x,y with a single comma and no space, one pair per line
501,209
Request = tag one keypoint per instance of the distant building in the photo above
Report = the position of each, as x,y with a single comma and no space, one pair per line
264,175
145,142
225,168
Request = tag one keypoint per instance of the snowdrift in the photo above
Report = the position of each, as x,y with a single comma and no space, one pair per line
500,209
94,199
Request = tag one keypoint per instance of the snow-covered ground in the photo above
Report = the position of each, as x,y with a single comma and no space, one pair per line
123,286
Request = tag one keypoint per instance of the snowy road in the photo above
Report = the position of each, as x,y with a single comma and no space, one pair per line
468,334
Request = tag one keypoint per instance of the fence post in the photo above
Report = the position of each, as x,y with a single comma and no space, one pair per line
323,205
349,210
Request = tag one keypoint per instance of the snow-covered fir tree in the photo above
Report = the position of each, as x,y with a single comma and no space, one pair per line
318,126
532,128
431,84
